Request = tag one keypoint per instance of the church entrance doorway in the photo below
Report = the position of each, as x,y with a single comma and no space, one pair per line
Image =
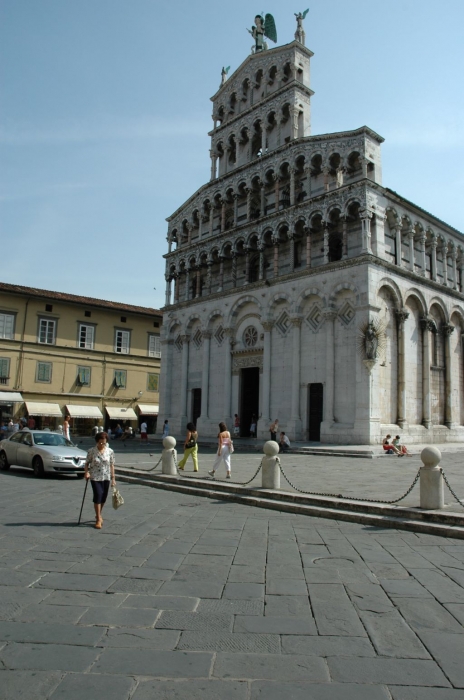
196,405
315,411
249,398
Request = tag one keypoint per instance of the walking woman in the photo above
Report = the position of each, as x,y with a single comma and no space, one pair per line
99,468
224,450
190,448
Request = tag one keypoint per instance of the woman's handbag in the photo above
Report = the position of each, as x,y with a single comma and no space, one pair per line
117,499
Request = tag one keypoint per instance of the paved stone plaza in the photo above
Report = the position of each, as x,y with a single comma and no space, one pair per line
185,597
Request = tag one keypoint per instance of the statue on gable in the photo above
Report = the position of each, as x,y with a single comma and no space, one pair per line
224,73
263,27
300,32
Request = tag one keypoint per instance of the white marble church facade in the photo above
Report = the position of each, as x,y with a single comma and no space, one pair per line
277,264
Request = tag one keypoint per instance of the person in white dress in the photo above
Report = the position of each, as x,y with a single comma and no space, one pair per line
224,450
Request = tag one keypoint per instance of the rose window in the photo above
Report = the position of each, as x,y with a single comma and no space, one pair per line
250,336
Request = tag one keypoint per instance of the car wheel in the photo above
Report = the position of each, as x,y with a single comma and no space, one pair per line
4,465
38,467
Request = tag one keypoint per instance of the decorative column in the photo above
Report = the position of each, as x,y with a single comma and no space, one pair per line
454,257
292,186
294,112
184,378
266,409
339,174
276,257
461,272
198,283
444,249
364,163
263,137
223,216
221,273
206,335
399,252
330,315
401,316
296,360
167,300
366,217
213,157
189,233
235,210
326,242
423,259
344,238
211,219
200,224
308,248
262,186
209,265
261,262
427,327
248,207
411,249
176,288
448,329
234,269
187,284
276,191
228,333
247,266
433,256
290,236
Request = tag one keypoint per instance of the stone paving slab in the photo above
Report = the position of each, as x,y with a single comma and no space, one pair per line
147,662
195,621
130,637
253,643
162,602
28,685
119,617
77,686
388,671
42,633
48,657
271,667
265,690
425,693
191,690
327,646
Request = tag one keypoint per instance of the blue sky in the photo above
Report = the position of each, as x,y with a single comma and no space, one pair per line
105,109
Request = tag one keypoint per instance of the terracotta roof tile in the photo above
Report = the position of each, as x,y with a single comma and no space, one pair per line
75,299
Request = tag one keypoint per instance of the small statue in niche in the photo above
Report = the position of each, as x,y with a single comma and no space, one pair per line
371,342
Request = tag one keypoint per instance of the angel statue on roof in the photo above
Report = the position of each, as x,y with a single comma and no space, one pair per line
300,32
263,27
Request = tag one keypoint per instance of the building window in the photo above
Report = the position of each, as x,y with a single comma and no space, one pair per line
87,314
250,337
122,342
4,370
120,378
47,331
154,346
7,326
83,376
48,307
152,382
86,336
44,372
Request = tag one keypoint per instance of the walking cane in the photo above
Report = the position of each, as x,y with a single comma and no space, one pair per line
85,491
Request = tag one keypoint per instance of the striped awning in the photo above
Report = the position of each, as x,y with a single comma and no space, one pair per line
36,408
148,409
84,411
118,413
7,397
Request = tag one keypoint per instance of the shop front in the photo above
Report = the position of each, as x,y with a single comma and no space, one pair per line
9,404
148,413
42,415
122,417
83,418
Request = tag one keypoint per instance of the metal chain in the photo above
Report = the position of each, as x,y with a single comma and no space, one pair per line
152,469
228,481
349,498
451,490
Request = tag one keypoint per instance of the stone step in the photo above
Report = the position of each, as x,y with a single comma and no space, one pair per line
368,512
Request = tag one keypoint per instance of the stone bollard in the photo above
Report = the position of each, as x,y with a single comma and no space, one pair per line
270,466
168,464
431,480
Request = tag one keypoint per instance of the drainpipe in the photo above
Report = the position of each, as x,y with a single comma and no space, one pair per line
21,347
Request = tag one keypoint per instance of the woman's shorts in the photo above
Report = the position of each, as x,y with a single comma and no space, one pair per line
100,491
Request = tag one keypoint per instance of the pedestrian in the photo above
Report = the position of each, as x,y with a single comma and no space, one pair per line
165,429
144,433
273,428
15,427
127,433
66,428
190,448
117,432
108,432
99,468
225,448
389,448
401,448
253,426
236,426
284,443
31,423
10,427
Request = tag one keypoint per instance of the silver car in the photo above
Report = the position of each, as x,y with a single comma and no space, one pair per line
42,451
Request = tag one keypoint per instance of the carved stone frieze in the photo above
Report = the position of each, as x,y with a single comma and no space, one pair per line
246,361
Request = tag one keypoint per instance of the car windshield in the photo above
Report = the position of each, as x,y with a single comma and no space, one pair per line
51,440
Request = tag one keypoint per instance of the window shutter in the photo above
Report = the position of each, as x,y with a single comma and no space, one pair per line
4,368
44,371
154,347
125,342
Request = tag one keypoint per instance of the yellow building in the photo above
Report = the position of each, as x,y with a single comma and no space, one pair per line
96,361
